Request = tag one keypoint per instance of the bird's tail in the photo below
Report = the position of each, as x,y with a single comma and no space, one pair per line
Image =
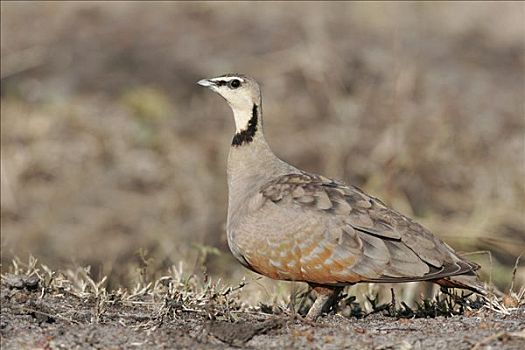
468,281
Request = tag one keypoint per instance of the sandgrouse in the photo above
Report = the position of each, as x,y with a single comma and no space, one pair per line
288,224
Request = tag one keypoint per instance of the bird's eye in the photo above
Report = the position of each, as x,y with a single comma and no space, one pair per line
235,83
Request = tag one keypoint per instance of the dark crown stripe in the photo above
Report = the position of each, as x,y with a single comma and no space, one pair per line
246,136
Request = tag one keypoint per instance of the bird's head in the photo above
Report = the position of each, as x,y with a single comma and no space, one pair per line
241,93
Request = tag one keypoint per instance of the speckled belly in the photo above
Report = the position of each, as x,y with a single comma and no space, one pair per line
300,257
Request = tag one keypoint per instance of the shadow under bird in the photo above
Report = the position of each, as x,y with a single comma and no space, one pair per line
288,224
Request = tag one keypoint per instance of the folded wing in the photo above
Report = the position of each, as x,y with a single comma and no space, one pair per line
332,233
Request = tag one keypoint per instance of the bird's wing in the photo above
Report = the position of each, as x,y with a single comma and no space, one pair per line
339,234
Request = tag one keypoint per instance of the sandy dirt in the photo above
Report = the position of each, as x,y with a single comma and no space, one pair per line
32,319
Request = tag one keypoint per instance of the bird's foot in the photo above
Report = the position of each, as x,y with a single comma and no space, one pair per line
326,298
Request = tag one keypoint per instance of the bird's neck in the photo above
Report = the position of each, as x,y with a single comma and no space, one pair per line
248,122
249,152
251,162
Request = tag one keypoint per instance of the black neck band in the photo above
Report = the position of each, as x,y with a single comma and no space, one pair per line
246,136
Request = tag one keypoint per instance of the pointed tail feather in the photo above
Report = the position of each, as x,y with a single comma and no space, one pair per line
469,282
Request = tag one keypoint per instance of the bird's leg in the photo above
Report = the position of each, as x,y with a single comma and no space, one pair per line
325,298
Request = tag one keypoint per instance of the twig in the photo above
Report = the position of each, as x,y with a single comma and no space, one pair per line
26,309
393,302
514,270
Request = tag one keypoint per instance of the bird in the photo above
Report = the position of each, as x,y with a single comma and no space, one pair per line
289,224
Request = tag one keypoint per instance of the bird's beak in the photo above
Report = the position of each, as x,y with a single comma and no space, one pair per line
206,83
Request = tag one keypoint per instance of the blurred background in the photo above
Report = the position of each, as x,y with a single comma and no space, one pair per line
112,156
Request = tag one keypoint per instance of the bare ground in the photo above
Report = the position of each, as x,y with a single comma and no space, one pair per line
38,318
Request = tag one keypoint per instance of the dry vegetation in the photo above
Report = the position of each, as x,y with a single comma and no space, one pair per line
112,157
180,310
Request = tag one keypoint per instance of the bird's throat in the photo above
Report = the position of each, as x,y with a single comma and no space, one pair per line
246,136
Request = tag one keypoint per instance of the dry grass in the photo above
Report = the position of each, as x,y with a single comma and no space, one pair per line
113,158
49,309
171,296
